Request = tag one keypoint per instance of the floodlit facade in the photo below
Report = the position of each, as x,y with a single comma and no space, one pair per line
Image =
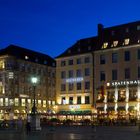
114,74
117,72
17,66
74,81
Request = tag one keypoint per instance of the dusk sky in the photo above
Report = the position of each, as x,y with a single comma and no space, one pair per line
52,26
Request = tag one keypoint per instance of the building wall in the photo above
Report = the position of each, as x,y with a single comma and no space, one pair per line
121,92
17,90
74,80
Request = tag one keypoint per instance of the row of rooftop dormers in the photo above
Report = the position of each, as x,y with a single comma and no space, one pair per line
107,38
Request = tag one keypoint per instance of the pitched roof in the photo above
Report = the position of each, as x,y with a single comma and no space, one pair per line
28,55
80,47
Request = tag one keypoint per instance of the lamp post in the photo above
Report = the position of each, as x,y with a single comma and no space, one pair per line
35,117
34,81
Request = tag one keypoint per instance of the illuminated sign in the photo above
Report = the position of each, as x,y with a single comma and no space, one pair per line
71,80
74,107
24,96
123,83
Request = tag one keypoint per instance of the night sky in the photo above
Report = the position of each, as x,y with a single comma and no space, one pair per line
51,26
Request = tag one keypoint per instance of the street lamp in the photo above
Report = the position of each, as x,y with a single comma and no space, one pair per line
34,81
35,117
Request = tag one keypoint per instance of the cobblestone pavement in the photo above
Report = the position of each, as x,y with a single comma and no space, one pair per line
75,133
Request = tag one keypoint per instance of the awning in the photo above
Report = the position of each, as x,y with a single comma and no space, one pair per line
80,112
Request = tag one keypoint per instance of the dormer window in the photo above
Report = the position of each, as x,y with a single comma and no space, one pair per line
105,45
79,50
127,30
53,64
115,43
138,27
112,33
26,57
89,48
69,51
45,62
36,60
126,41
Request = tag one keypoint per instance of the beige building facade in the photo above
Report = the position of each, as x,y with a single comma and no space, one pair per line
16,89
74,84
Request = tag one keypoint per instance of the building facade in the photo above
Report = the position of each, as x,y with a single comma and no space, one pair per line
17,67
74,81
114,77
117,72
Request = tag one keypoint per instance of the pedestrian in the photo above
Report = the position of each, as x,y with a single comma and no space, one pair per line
28,126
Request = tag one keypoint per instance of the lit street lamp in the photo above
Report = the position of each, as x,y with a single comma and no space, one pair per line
35,117
34,80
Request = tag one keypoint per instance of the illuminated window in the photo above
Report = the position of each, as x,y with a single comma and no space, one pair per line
2,65
26,57
1,89
53,102
29,101
63,100
22,102
39,103
115,43
11,102
1,101
49,102
16,102
44,103
6,102
105,45
126,41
